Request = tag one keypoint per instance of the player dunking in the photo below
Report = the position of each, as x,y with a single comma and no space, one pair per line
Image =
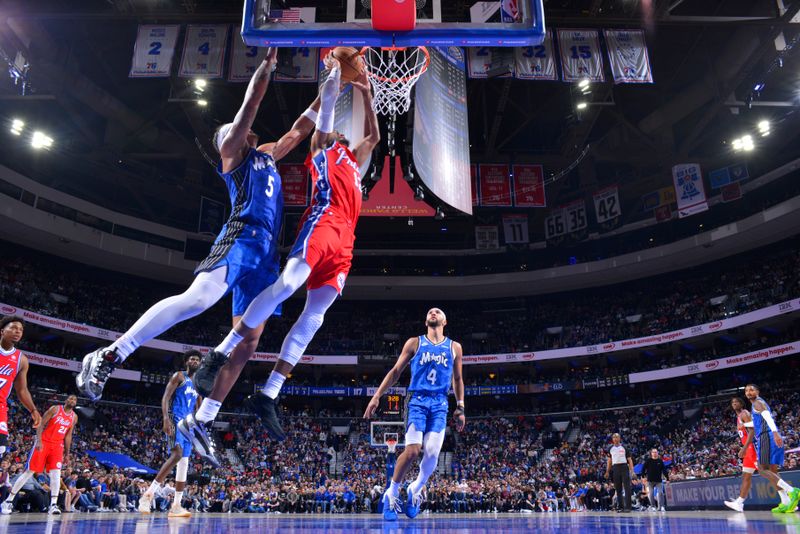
179,399
769,450
244,259
435,363
744,427
321,257
50,451
13,374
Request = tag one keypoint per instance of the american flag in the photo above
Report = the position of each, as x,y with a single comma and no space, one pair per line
285,15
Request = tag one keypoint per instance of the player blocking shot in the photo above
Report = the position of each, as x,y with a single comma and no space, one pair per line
320,258
13,375
747,453
244,259
769,450
435,362
50,452
178,401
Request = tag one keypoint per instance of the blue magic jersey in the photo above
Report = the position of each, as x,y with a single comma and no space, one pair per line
759,425
184,400
432,366
255,191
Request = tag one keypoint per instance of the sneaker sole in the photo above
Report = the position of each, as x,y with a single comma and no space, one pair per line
81,381
179,515
250,405
199,445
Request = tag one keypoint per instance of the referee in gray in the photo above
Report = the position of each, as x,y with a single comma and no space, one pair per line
620,467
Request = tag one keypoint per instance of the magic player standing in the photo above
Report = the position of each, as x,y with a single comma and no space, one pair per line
435,364
321,258
179,400
50,451
769,450
13,374
744,427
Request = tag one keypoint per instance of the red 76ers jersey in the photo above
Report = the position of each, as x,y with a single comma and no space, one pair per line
337,183
58,426
9,367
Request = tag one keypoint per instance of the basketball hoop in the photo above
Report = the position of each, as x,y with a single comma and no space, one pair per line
390,439
393,72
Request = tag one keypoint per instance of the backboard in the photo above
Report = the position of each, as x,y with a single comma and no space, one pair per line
325,23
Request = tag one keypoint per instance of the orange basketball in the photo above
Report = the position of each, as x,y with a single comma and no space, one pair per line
351,62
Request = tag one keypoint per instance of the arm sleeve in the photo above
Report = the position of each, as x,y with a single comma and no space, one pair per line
328,94
770,422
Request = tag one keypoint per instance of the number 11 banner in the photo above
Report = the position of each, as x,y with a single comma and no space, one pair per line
152,54
580,55
203,51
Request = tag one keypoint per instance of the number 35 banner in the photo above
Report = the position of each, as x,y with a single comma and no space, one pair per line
580,55
152,54
203,51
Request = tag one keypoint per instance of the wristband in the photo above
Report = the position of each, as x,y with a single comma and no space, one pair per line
310,114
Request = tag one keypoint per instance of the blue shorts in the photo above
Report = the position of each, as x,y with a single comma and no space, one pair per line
180,439
428,413
252,260
767,452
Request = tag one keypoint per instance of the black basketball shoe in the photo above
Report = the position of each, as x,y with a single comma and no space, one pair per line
267,410
205,375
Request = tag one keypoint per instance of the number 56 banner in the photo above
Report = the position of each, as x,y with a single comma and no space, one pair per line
203,51
152,54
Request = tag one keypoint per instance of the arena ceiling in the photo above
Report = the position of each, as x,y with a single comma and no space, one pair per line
131,144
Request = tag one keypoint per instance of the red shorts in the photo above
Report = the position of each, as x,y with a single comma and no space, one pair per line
3,419
50,457
749,460
327,247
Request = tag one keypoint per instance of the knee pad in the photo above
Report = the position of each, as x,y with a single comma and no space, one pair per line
300,336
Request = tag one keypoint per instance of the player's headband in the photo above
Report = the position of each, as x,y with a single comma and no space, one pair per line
221,133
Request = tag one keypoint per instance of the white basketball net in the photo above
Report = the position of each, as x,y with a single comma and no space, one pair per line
393,73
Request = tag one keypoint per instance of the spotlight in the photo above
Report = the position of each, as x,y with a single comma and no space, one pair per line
584,83
582,105
439,213
764,128
419,193
759,87
408,174
744,143
40,140
202,103
410,221
200,84
17,126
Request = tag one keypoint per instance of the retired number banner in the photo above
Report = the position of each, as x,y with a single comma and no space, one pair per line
153,51
482,59
576,216
580,55
515,229
529,186
606,204
295,184
203,51
244,60
301,65
554,224
495,185
536,62
627,55
689,189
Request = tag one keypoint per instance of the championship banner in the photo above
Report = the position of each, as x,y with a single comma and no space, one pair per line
689,189
606,204
244,60
575,215
473,180
659,197
298,64
482,59
495,183
487,238
528,186
203,51
628,57
295,183
580,55
515,229
731,192
536,62
153,51
717,364
554,224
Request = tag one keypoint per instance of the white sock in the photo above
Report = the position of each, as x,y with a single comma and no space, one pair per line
208,410
178,498
229,343
154,488
394,489
273,385
55,485
785,486
739,499
784,497
124,346
416,485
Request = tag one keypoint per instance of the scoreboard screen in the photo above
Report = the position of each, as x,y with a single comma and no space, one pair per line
392,405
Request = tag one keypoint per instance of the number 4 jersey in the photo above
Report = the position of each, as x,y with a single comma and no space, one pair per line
432,366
